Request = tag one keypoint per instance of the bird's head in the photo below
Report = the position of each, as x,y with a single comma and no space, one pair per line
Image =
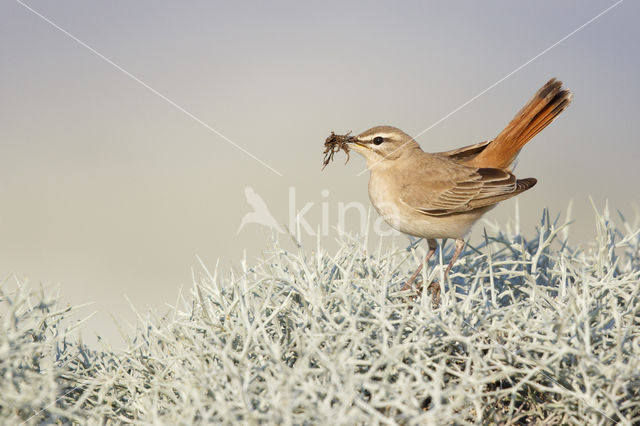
383,144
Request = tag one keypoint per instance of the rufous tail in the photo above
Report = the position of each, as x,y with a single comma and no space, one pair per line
537,114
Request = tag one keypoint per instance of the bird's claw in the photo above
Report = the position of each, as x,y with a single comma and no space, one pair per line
433,288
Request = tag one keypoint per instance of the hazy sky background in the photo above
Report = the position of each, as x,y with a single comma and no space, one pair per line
106,189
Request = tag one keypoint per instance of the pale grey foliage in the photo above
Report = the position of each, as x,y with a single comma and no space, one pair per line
528,331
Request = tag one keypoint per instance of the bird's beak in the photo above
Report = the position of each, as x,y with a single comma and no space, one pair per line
356,145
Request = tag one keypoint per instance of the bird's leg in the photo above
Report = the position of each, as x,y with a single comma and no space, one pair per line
409,284
432,249
459,247
434,287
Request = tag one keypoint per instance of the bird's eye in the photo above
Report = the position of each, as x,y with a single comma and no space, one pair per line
378,140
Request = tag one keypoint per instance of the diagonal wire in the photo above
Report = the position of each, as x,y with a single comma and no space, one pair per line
147,86
500,81
50,404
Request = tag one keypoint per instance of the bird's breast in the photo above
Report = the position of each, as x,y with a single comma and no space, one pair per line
384,193
385,197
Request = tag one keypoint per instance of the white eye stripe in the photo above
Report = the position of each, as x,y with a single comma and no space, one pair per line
382,135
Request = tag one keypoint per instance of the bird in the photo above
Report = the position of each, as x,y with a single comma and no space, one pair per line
441,195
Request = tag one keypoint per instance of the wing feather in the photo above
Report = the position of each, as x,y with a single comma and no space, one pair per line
457,188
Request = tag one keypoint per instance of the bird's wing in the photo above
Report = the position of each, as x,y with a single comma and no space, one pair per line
438,191
466,152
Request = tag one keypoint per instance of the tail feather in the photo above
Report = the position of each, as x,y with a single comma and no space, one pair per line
547,116
537,114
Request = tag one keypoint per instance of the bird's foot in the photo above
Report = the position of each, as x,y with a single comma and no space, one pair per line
433,288
411,285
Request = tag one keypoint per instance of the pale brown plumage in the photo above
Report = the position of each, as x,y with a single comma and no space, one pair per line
461,189
441,195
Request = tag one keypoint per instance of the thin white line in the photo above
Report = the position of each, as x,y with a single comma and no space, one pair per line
100,55
503,78
49,406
